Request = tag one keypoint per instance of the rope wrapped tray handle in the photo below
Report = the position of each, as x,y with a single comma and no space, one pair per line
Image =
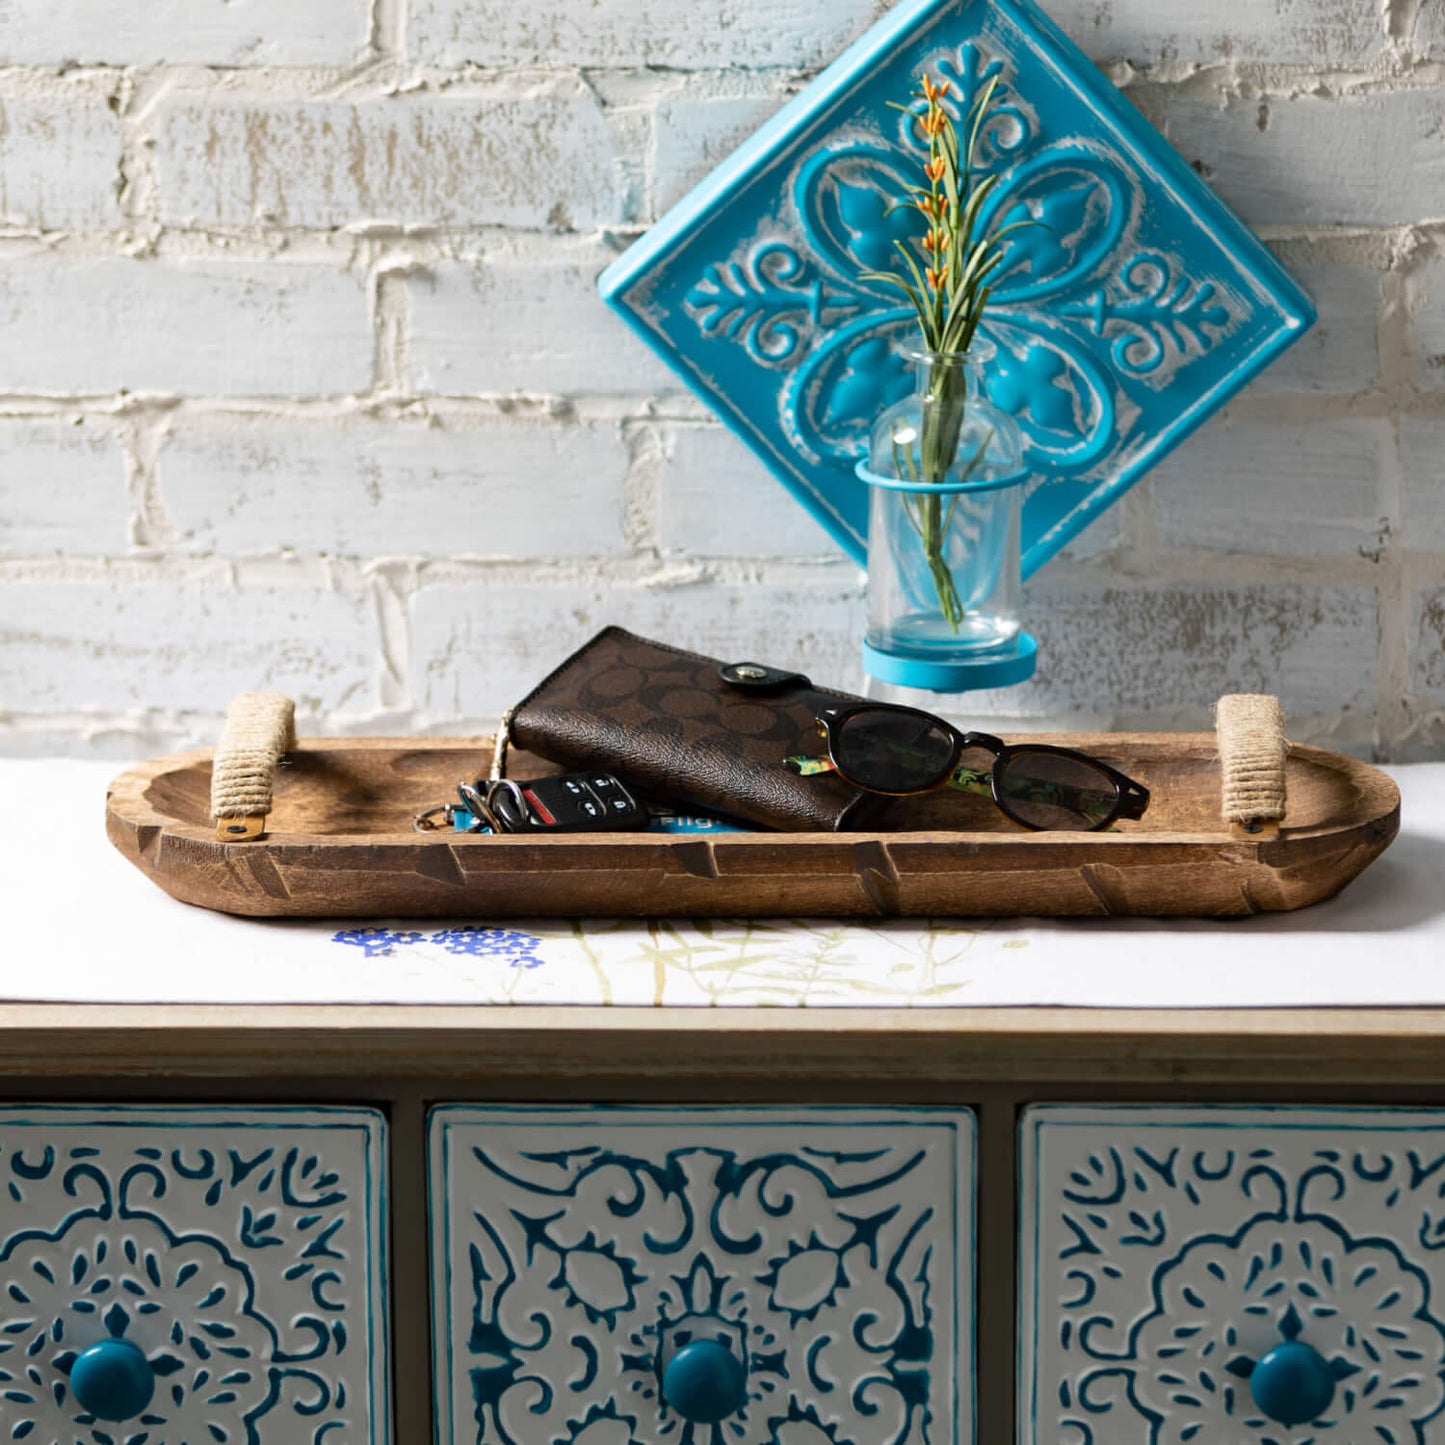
260,727
1252,753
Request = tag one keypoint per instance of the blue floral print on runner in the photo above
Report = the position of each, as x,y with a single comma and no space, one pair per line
470,940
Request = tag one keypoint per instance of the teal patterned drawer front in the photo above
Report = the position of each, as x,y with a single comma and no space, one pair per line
192,1276
761,1276
1232,1276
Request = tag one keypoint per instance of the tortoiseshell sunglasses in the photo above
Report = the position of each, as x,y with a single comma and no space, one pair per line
901,751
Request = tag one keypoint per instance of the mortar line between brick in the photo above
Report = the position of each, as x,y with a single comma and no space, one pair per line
387,28
161,566
1392,663
391,587
391,326
676,409
464,245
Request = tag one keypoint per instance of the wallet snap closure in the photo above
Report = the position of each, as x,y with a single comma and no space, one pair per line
757,678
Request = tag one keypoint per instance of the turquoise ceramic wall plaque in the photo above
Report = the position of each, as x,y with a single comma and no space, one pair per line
1135,310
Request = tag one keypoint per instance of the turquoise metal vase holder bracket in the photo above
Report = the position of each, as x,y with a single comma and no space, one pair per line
1005,668
870,478
1134,311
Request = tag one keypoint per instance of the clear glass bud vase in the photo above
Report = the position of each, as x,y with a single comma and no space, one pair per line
946,481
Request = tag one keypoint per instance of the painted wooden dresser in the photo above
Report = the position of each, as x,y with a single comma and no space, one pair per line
711,1184
288,1225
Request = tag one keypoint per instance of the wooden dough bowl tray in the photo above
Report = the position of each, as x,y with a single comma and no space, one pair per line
339,845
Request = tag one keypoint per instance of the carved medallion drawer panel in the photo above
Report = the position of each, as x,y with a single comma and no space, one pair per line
192,1276
1232,1276
754,1276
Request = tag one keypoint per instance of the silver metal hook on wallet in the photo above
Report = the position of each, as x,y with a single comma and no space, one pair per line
499,748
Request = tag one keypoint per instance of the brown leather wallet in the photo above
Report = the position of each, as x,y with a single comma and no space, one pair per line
690,729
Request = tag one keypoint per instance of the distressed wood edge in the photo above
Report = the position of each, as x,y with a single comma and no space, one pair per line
505,1045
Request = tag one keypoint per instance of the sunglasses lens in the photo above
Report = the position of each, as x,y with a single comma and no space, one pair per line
1049,790
893,751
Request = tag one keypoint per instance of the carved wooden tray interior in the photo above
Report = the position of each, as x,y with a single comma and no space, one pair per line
340,845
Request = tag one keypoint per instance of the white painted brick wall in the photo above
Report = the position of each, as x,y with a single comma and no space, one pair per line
1307,491
1341,352
526,318
1428,660
1422,465
1427,321
62,487
380,487
199,327
714,500
211,32
472,645
59,160
1430,30
1287,32
124,643
696,131
1375,159
668,34
304,381
540,159
1173,649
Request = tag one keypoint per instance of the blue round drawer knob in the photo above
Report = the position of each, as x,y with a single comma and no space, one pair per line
112,1380
704,1382
1293,1383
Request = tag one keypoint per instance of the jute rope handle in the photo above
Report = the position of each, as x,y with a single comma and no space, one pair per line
1252,752
260,727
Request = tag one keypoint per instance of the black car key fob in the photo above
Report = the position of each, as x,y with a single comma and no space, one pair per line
571,803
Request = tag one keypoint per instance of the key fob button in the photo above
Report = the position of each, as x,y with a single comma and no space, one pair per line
570,803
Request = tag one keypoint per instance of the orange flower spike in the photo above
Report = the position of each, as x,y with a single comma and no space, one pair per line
935,122
935,168
933,93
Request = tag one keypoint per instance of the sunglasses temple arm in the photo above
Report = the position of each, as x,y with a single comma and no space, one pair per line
809,767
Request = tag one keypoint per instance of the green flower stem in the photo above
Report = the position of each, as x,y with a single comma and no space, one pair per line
944,403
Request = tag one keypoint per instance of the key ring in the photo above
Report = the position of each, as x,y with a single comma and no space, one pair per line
473,805
513,791
479,807
422,822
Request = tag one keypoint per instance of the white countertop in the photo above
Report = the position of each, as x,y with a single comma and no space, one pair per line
84,926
